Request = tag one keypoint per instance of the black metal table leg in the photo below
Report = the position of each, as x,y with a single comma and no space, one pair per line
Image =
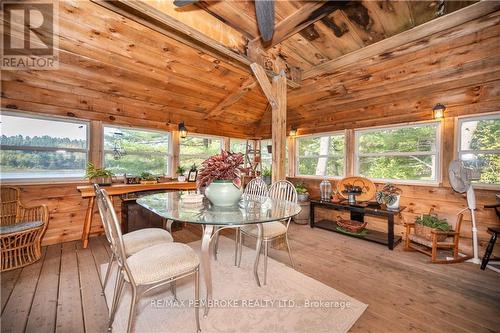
390,232
489,251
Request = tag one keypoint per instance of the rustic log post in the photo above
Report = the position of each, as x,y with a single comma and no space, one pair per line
276,95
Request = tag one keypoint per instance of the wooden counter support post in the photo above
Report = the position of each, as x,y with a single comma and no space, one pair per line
87,192
276,95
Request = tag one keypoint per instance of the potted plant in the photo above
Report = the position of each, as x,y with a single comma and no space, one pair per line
267,175
100,176
148,178
425,223
389,196
221,174
302,194
181,170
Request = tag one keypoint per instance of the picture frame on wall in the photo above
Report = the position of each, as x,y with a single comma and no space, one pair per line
193,174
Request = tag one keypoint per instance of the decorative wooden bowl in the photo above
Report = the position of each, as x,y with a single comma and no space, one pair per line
368,189
351,226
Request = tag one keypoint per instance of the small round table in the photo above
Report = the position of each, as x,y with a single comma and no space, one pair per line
251,209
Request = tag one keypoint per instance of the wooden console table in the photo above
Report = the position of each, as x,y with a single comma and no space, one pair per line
87,191
358,212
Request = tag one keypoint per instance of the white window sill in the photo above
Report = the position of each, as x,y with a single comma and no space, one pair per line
43,181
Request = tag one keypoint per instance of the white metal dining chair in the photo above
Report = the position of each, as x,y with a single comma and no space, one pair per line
256,187
134,241
281,190
152,267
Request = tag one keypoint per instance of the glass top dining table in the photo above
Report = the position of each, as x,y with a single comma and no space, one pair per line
250,210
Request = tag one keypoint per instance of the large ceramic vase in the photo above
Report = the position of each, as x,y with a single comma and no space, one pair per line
223,193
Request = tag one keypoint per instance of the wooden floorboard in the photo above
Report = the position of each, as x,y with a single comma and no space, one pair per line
69,303
404,292
95,312
42,317
15,314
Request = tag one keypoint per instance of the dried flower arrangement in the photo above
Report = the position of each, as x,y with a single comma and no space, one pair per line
224,166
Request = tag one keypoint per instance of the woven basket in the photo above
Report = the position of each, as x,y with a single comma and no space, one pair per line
426,232
351,226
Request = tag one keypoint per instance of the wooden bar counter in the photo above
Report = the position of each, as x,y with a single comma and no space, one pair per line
87,191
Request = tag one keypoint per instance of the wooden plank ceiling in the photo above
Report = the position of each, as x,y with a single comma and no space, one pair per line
118,68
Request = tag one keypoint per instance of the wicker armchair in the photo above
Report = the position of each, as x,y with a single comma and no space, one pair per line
21,230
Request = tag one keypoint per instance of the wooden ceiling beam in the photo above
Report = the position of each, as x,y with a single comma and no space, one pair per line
232,98
452,20
261,76
153,18
309,13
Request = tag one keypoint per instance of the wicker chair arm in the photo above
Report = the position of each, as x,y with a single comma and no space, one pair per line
33,213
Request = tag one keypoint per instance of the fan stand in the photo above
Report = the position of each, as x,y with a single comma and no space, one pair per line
471,203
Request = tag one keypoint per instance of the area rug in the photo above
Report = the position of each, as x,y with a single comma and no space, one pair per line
289,302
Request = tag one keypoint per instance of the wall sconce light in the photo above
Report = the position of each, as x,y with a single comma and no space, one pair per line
293,132
183,132
438,111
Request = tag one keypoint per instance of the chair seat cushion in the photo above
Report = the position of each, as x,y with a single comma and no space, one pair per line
426,242
270,230
138,240
162,261
18,227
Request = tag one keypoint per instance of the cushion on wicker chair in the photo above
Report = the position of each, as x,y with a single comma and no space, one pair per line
138,240
19,227
270,230
161,262
426,242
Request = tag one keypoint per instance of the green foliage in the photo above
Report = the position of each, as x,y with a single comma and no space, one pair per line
309,148
266,172
181,170
434,222
486,136
301,188
147,176
93,172
194,167
407,139
144,151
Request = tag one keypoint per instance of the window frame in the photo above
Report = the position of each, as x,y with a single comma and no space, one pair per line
437,152
55,179
206,136
458,148
317,135
169,171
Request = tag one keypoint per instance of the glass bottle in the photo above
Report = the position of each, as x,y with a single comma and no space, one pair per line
325,189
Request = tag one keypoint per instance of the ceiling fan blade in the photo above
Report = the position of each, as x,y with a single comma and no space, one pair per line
182,3
264,10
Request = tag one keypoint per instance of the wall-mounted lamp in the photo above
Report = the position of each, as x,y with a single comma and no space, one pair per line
438,111
293,132
183,132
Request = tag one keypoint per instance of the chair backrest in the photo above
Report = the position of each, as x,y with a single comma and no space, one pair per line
457,224
257,186
283,190
116,237
9,204
101,205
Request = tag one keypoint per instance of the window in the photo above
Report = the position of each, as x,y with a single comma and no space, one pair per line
238,145
41,147
196,149
267,157
133,151
321,155
407,153
479,146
